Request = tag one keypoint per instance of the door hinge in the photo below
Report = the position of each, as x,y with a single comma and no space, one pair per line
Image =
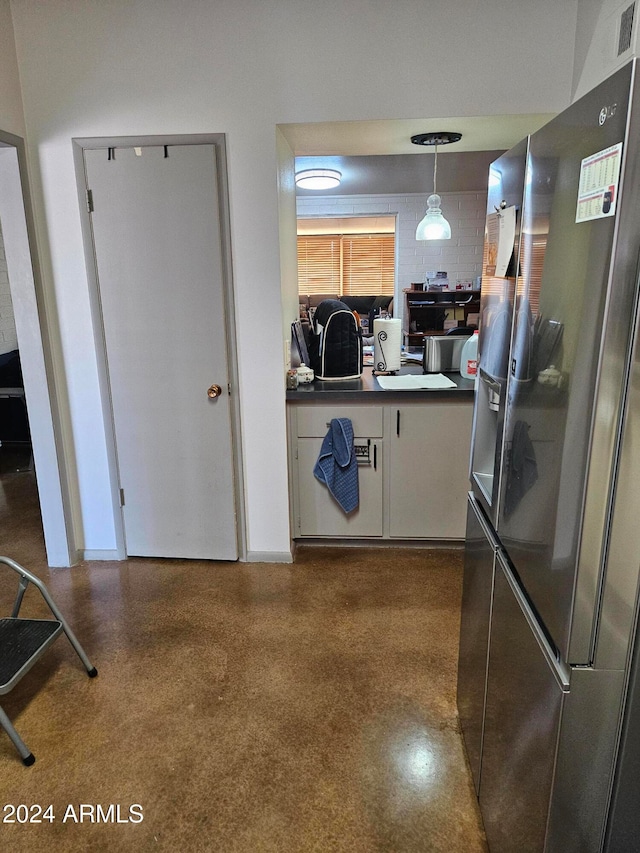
90,201
229,388
121,497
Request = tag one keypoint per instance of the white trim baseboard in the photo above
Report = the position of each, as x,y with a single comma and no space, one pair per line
107,554
269,557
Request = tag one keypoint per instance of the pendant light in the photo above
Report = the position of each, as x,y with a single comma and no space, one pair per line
433,225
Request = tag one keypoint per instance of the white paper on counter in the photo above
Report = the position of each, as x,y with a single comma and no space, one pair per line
428,382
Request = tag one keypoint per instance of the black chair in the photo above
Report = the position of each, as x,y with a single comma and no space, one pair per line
24,641
14,422
368,306
461,330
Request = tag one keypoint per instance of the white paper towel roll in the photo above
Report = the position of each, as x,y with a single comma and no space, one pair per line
387,344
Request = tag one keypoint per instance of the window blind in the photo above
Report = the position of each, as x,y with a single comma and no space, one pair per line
532,264
368,264
319,263
346,264
532,252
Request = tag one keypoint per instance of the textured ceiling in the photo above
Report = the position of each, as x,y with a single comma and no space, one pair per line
354,138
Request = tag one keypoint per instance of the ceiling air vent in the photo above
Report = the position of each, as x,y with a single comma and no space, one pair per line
626,29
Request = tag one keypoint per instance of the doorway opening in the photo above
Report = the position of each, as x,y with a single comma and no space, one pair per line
15,438
30,442
19,503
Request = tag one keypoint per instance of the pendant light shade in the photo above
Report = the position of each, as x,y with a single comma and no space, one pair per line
318,179
433,226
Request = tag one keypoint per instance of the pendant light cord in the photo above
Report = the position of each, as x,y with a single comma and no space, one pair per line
435,169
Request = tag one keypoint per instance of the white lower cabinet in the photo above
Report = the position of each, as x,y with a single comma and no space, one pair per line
428,447
412,486
316,513
319,513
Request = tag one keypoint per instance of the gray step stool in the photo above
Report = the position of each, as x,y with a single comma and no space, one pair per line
24,641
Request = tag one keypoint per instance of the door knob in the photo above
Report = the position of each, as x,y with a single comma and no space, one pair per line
214,391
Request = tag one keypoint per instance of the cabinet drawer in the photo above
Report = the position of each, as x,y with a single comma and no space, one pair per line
313,421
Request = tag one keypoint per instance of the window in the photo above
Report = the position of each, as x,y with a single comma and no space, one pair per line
346,264
319,263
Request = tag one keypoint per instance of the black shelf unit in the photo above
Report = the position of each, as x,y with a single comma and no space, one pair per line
426,311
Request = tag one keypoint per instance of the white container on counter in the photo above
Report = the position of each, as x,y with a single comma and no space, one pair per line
469,357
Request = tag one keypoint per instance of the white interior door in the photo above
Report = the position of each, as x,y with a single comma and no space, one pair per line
156,234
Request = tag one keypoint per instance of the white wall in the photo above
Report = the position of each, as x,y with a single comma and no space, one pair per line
118,67
11,115
24,311
596,46
288,245
40,395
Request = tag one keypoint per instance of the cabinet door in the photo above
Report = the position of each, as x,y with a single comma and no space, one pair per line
319,514
429,469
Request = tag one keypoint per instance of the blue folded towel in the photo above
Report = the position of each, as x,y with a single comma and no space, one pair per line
337,466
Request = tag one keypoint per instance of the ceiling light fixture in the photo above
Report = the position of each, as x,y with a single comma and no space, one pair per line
318,179
433,226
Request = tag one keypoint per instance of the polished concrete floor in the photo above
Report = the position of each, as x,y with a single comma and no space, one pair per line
288,708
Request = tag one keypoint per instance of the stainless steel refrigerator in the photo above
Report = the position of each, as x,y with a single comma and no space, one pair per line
552,555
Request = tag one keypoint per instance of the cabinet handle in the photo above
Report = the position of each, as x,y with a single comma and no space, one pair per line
375,457
397,421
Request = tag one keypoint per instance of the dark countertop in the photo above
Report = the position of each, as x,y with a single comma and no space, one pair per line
367,386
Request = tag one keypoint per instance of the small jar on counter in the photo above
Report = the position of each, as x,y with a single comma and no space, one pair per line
292,380
305,374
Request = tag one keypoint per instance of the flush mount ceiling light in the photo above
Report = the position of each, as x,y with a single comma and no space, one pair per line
318,179
433,226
